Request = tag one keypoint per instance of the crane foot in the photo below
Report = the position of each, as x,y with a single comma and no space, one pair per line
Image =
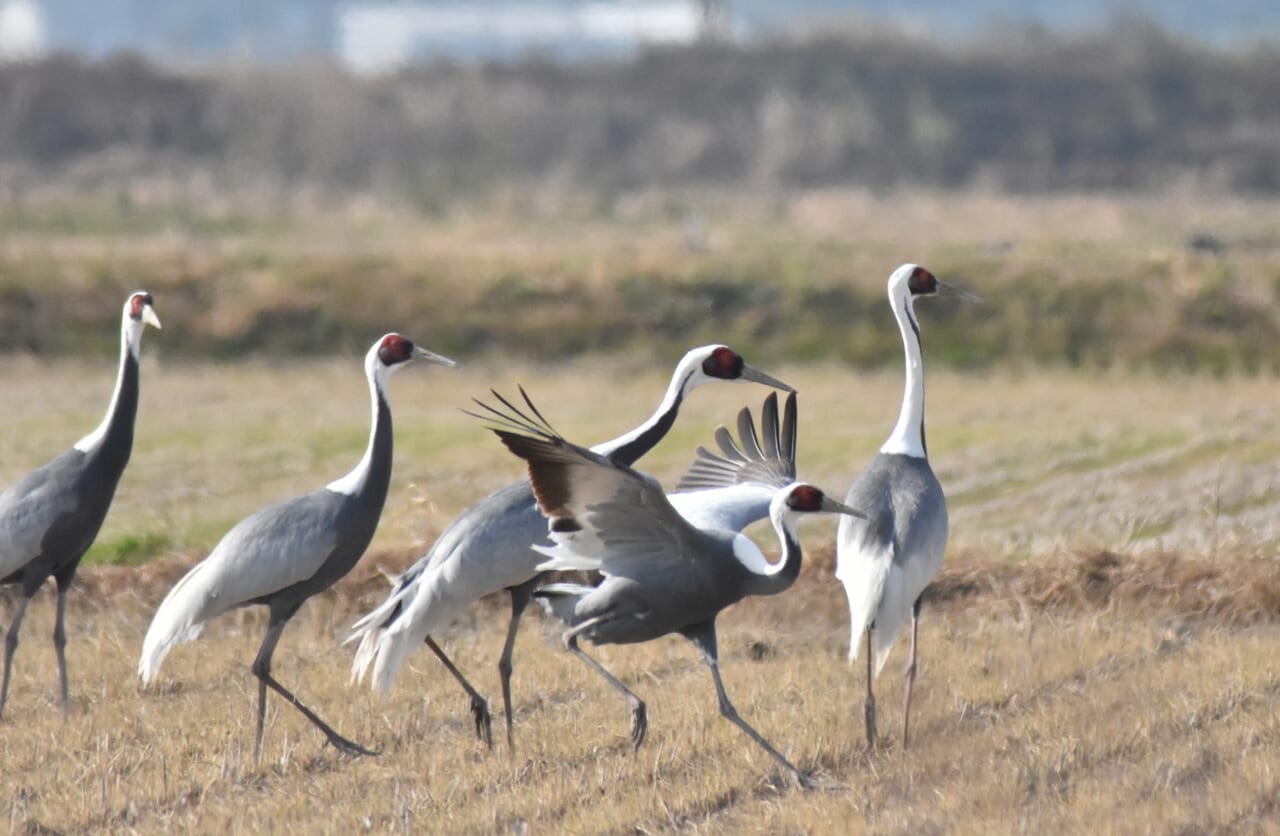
484,722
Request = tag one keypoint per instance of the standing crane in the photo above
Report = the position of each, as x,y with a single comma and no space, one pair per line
661,574
488,548
282,555
887,559
50,517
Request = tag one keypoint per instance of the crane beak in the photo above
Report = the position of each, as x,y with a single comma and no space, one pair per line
952,290
150,318
833,507
420,353
753,374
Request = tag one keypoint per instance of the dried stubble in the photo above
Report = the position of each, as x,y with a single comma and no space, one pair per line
1061,690
1067,719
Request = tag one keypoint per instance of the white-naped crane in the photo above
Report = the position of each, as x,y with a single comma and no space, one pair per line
50,517
282,555
661,574
886,560
489,548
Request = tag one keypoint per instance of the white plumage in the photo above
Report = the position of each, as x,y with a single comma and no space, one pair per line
886,560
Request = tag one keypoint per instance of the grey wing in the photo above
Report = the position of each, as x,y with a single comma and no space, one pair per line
767,459
921,510
871,494
603,515
31,506
866,549
271,550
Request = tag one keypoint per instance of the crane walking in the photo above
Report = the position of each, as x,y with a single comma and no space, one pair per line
282,555
50,517
661,574
887,559
488,548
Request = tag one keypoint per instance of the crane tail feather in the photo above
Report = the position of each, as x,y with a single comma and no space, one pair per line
383,653
179,619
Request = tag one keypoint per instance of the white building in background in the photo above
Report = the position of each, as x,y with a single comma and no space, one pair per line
22,30
378,37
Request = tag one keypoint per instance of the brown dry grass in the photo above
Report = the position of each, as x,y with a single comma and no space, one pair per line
1028,719
1085,669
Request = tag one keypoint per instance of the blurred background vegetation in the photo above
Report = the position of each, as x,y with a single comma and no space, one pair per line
756,191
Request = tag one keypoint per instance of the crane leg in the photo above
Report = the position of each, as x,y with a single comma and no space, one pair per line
705,639
479,705
262,670
869,709
10,645
60,641
639,714
911,672
520,597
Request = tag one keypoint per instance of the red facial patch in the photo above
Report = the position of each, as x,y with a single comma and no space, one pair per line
805,498
724,363
395,349
922,282
137,302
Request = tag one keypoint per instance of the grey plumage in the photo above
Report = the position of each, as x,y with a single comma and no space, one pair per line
489,548
282,555
50,517
661,574
886,560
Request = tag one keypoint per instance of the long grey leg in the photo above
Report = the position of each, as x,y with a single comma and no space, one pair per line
704,637
60,642
262,670
639,714
869,708
520,598
911,672
10,645
479,705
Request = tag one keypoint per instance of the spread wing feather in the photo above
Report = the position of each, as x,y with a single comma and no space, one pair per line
768,459
603,515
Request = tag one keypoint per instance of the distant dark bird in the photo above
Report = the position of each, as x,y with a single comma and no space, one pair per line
489,549
887,559
661,574
50,517
282,555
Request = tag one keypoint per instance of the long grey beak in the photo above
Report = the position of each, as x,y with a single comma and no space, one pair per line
753,374
832,506
420,353
149,317
952,290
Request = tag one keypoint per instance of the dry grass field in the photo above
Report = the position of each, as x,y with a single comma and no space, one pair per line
1097,657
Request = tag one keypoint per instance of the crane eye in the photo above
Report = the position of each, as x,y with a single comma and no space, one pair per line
922,282
394,349
723,363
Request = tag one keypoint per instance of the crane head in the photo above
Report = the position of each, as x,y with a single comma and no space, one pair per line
916,281
140,308
395,350
803,498
719,362
138,314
